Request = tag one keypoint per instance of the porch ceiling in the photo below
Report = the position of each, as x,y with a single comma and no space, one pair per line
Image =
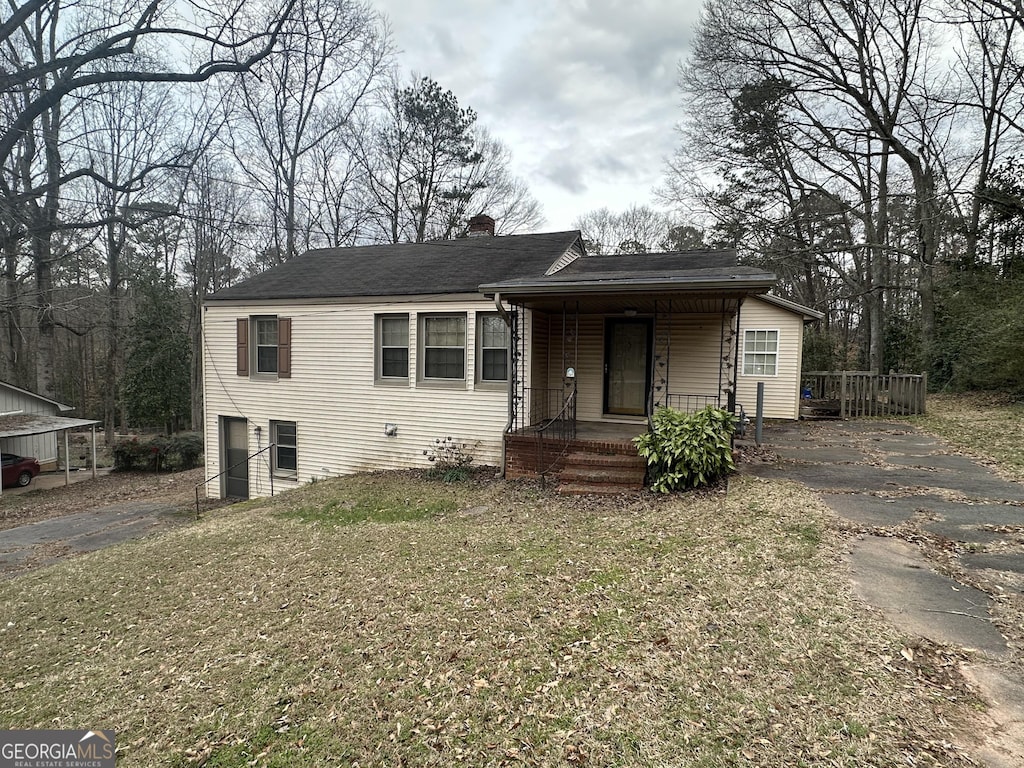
688,303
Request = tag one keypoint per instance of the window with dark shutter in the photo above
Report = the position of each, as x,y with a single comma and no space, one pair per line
284,347
242,346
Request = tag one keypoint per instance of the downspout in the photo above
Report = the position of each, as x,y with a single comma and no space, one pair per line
736,359
511,385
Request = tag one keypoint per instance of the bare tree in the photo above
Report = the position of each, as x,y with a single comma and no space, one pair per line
298,104
217,222
489,187
56,51
859,109
128,156
637,229
988,51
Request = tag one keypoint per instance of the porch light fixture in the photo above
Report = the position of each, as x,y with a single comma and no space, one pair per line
390,430
629,312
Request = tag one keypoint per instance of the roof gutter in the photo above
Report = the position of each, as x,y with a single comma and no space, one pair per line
644,286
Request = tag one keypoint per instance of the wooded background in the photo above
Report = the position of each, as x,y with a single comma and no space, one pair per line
867,151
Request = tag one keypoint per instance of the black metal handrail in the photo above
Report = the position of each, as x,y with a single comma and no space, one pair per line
246,460
544,405
691,403
562,427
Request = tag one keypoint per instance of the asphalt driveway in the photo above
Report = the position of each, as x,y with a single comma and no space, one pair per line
47,541
937,546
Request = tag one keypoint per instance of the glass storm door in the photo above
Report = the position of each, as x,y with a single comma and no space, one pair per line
627,366
236,449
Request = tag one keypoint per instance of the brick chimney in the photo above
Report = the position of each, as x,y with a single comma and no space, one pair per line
481,225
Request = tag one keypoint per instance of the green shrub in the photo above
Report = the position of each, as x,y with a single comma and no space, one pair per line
158,453
128,455
184,450
687,450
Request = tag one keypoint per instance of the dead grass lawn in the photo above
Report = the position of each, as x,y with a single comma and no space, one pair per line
488,624
988,425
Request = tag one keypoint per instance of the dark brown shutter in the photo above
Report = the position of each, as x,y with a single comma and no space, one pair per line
284,347
242,345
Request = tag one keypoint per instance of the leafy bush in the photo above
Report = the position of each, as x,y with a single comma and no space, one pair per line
158,453
184,449
450,459
129,455
687,450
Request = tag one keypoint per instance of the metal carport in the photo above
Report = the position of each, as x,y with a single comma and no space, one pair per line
18,425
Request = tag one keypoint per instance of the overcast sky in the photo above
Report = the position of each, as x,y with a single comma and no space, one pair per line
583,91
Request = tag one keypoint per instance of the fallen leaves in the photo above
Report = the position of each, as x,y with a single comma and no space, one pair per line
569,632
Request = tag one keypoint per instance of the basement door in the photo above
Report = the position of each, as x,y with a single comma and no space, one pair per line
627,366
235,440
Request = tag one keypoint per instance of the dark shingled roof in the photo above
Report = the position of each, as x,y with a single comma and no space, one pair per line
406,269
469,265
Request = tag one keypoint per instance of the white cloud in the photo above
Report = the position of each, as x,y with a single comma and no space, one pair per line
584,92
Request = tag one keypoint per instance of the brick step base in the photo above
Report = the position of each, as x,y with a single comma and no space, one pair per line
602,473
618,460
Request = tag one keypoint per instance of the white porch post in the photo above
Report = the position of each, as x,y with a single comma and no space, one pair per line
67,460
93,430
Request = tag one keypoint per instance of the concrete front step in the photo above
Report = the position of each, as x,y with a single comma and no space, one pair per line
602,473
631,477
580,489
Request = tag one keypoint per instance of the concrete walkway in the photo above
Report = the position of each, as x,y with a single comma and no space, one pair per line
896,487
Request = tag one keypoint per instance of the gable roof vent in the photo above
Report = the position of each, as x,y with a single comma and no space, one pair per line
481,225
564,260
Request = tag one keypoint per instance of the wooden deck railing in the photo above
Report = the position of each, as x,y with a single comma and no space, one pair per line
864,393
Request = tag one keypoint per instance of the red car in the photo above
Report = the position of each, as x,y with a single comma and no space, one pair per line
19,470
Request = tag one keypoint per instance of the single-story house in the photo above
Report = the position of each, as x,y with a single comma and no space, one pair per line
351,359
19,406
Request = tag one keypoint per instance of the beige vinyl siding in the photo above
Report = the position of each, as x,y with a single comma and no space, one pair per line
694,355
781,391
339,412
693,363
696,348
586,355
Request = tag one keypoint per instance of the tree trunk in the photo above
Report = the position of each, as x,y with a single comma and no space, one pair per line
12,358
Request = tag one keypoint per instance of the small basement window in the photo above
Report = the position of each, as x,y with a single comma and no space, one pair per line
286,451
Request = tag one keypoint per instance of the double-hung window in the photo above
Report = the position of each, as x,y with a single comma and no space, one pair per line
286,449
443,344
760,353
492,348
264,344
392,348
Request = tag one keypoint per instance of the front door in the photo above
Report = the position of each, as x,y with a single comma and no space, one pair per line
627,366
235,434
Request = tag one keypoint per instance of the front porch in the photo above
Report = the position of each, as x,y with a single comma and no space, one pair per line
587,375
595,457
606,340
